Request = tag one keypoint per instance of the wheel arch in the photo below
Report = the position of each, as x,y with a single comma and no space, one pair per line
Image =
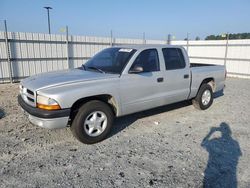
106,98
210,81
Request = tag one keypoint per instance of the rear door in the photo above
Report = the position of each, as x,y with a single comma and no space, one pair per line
141,91
176,75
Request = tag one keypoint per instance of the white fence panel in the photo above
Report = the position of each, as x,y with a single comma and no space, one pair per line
34,53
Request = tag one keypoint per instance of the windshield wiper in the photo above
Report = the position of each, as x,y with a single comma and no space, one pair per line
94,68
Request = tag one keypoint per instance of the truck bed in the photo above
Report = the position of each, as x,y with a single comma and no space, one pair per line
201,71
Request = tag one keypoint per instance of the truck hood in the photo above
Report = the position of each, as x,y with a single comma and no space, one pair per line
52,79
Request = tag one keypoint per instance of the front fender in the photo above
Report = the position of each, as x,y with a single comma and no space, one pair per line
67,95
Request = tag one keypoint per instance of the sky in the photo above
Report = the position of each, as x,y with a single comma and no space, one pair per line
130,18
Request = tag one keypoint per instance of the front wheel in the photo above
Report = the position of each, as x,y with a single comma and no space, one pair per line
204,98
92,122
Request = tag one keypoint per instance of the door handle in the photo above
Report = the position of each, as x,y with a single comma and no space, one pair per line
186,76
160,79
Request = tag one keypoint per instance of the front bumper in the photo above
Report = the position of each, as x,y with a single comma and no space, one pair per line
45,118
55,123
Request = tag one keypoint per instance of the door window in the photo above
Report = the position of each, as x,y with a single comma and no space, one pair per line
173,58
148,60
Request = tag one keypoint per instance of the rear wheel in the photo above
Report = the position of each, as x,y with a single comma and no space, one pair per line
92,122
204,98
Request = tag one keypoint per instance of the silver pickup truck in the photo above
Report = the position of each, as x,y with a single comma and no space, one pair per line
115,82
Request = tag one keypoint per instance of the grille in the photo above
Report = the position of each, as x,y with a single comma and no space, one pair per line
28,96
30,92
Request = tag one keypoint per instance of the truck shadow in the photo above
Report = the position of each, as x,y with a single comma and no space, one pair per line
224,153
218,94
125,121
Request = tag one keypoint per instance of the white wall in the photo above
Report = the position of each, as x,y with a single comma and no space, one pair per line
213,52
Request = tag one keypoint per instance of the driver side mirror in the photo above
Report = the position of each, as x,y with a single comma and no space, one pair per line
136,69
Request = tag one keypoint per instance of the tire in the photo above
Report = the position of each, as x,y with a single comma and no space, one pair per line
92,122
199,101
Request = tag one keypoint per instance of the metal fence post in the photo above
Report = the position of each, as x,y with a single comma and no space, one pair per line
8,51
225,59
111,38
67,46
143,38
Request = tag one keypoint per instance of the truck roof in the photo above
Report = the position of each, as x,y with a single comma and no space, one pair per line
146,46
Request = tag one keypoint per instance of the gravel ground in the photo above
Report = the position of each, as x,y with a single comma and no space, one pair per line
172,146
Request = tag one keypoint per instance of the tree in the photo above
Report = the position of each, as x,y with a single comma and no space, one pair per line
197,38
210,37
231,36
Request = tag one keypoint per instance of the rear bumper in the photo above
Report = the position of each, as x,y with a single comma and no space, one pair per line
45,118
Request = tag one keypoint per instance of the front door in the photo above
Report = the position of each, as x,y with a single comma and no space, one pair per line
142,90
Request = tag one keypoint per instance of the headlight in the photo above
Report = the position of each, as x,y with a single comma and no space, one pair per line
47,103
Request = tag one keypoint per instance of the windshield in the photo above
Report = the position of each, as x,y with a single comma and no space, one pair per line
110,60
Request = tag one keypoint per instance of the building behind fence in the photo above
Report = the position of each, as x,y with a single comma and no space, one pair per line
25,54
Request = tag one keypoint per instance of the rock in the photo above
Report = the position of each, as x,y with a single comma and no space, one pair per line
112,182
151,182
122,174
73,149
156,122
25,139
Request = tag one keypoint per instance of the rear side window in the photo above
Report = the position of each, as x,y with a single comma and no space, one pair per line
148,59
173,58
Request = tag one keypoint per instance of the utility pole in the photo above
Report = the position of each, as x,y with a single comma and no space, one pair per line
48,8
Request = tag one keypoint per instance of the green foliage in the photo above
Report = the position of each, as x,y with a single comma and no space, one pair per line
197,38
231,36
